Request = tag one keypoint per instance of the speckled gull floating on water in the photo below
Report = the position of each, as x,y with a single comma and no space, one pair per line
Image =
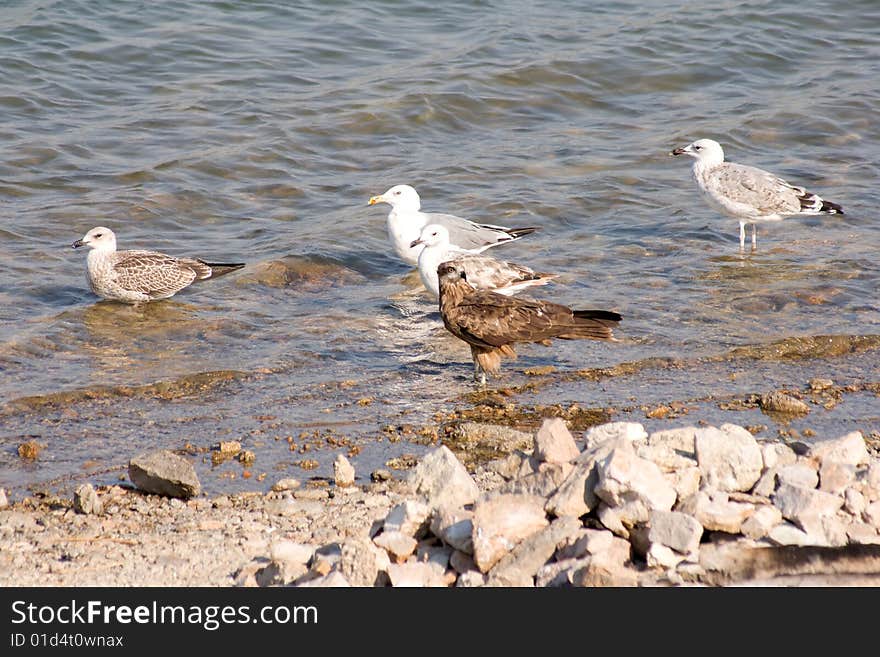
483,272
138,276
748,193
406,221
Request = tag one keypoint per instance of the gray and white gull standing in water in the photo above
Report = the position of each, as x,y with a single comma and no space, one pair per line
747,193
406,221
138,276
483,272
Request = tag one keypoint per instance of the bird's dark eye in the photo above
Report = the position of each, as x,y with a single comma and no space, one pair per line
99,235
697,148
397,193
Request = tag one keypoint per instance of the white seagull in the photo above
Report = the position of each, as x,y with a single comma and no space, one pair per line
483,272
138,276
747,193
406,221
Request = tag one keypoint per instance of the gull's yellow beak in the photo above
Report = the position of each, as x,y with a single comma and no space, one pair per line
376,199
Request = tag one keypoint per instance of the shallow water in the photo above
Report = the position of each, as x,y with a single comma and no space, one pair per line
256,132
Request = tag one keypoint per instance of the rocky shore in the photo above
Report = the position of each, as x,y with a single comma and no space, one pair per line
614,507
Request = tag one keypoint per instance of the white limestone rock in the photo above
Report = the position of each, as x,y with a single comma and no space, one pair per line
500,522
626,431
398,545
443,480
410,517
729,457
759,524
849,449
798,474
625,477
343,471
675,530
680,440
554,442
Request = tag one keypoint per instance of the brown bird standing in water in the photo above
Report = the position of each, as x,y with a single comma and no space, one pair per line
491,323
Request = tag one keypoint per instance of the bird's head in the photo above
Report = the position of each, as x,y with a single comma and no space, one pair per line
451,272
100,239
432,235
400,197
708,151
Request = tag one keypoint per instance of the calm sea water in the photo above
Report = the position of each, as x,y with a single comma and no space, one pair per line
257,131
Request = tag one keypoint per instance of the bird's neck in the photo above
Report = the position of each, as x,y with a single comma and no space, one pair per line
451,295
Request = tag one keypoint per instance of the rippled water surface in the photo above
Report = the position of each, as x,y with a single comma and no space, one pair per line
257,131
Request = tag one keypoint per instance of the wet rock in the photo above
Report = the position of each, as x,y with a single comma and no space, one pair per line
362,563
398,545
554,442
805,506
454,526
835,477
163,472
817,384
416,574
443,480
849,449
575,495
626,431
381,475
798,474
776,455
675,530
729,457
680,440
343,471
716,512
288,483
410,517
519,566
779,402
86,500
625,477
500,522
489,440
761,522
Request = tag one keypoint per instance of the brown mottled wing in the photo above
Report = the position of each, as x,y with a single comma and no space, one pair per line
487,319
156,274
755,187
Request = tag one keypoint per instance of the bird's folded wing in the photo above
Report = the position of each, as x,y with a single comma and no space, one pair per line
496,320
152,273
754,187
